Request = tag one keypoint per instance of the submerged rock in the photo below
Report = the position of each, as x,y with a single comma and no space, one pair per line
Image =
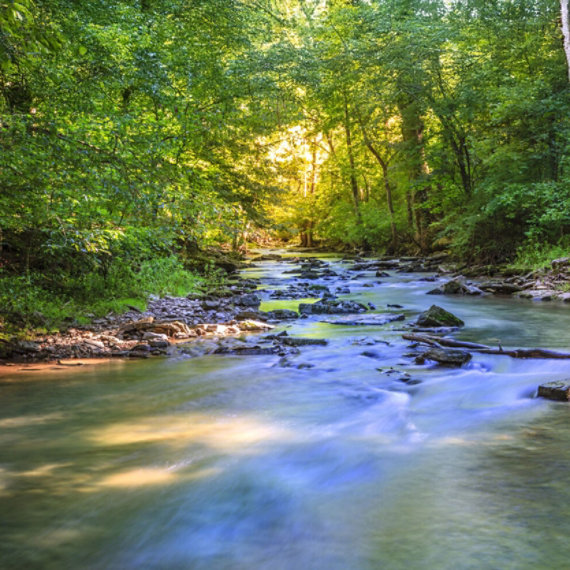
436,316
448,356
557,390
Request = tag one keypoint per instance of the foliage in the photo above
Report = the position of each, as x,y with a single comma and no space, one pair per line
136,133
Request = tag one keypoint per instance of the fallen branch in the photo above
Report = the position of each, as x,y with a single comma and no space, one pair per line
484,349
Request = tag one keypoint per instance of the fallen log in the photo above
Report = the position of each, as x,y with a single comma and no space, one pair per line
484,349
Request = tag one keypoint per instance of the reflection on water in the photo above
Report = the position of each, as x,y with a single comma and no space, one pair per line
240,463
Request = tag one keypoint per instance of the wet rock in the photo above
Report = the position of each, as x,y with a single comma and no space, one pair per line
371,354
388,264
282,314
210,304
245,315
247,350
448,356
538,294
332,307
268,257
251,325
499,287
309,275
248,300
436,291
436,316
557,390
456,287
296,341
381,273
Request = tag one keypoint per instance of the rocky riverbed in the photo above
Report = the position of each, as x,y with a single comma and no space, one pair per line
221,321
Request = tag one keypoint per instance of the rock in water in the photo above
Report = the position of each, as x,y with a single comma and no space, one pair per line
298,341
448,356
558,390
332,307
435,316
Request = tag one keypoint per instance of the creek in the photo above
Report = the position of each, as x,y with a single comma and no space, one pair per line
343,462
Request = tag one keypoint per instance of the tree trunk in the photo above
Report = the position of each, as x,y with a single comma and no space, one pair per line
566,31
353,181
412,135
387,187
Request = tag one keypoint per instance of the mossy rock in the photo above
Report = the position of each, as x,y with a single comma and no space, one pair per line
436,316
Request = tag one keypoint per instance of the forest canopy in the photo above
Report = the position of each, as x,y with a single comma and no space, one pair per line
132,131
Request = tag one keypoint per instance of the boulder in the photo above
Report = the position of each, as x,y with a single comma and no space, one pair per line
139,325
448,356
282,314
332,307
557,390
436,316
500,287
456,287
248,300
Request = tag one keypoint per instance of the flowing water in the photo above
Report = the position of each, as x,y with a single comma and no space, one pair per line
226,462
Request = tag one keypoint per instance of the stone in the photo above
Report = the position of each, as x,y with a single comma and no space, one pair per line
248,300
561,263
139,325
251,325
210,304
456,287
500,287
557,390
448,356
94,343
282,314
154,336
292,341
537,294
332,307
436,316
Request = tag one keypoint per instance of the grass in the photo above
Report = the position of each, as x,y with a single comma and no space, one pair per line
47,303
534,257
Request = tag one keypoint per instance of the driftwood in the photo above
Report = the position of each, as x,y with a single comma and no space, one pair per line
432,340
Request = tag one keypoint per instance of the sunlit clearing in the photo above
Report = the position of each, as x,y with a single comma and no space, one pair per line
232,435
23,421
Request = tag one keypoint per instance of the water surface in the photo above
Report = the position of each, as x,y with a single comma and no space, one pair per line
240,462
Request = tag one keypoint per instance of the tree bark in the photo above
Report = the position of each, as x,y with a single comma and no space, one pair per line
353,181
566,31
484,349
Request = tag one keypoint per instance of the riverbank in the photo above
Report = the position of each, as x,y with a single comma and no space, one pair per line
233,309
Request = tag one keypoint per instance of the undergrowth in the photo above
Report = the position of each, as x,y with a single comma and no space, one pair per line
48,303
